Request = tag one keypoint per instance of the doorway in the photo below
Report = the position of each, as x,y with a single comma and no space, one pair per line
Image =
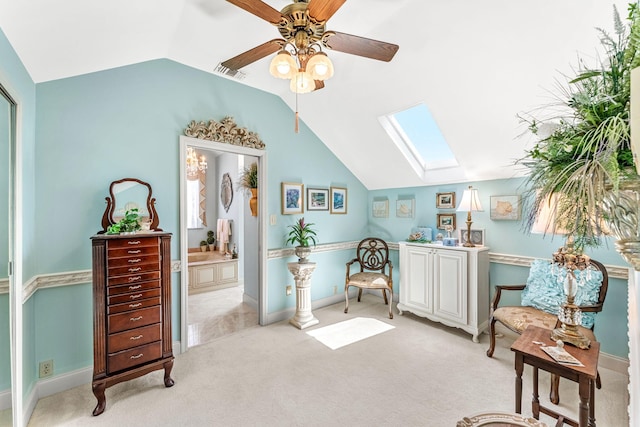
213,313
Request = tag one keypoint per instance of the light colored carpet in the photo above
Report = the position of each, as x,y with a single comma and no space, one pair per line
418,374
348,332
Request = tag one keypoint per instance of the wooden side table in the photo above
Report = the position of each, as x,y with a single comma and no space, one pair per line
528,351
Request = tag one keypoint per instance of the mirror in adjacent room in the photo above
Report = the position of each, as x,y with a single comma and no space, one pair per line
196,169
7,147
125,195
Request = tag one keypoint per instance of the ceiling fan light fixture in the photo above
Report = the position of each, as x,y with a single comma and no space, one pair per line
320,66
283,66
302,82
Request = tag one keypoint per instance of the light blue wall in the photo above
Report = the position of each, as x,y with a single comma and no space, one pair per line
508,237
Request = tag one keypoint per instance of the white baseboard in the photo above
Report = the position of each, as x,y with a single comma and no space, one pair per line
615,363
5,399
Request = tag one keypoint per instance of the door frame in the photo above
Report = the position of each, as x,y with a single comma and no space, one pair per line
261,155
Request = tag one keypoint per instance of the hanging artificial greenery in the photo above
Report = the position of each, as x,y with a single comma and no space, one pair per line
587,154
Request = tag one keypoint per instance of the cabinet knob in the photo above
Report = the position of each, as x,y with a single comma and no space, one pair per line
134,252
134,242
137,356
133,261
135,319
136,295
136,338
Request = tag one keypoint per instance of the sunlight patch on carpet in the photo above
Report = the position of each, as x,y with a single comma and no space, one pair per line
350,331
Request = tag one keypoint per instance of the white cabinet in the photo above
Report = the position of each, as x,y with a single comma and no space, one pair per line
449,285
210,276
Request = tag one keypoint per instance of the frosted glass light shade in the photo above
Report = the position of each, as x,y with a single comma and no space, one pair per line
283,66
320,66
302,82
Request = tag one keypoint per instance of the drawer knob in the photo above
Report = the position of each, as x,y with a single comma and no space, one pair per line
134,269
138,304
134,242
135,287
136,338
133,261
134,278
135,319
138,356
136,295
134,252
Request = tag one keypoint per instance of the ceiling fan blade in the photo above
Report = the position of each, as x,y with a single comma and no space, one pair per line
254,54
260,9
360,46
322,10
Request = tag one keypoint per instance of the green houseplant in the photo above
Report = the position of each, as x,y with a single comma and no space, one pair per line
211,239
576,167
203,245
301,234
130,223
248,182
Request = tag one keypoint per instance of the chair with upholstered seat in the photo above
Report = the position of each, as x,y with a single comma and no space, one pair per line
541,297
372,256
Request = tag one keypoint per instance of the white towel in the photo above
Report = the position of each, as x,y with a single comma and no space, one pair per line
224,231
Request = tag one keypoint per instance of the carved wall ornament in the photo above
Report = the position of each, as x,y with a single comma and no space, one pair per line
225,131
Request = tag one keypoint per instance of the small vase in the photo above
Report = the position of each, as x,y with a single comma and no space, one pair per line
253,202
303,252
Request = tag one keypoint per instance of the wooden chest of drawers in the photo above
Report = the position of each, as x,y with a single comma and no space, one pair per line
132,309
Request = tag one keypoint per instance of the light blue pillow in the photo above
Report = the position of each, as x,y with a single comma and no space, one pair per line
544,290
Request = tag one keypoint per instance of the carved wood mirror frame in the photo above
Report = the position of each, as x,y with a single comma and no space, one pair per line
108,218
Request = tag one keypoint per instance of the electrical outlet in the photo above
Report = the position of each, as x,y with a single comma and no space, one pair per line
289,290
335,290
272,219
46,368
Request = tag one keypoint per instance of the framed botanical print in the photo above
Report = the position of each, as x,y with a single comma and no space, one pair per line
317,199
292,198
506,208
381,208
338,200
446,200
445,220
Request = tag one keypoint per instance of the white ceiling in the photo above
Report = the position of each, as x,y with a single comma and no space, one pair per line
476,64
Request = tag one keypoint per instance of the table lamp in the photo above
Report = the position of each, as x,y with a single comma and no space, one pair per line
470,203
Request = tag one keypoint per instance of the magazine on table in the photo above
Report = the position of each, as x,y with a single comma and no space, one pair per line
561,355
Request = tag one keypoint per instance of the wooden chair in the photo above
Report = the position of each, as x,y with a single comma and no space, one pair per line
372,255
517,318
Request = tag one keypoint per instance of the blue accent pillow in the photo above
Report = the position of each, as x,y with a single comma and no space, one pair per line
544,290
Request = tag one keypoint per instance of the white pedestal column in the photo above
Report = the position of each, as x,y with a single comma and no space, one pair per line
302,275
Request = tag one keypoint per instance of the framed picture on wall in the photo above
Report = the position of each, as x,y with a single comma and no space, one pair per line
446,220
338,200
405,208
477,236
446,200
505,208
292,198
381,208
317,199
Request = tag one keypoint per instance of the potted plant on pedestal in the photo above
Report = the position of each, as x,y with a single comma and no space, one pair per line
248,182
301,234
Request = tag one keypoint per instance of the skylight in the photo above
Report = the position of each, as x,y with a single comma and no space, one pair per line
418,137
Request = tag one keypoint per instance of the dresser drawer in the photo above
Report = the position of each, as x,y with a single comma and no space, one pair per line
133,296
133,338
133,287
134,269
132,252
133,319
132,242
133,305
133,261
133,279
133,357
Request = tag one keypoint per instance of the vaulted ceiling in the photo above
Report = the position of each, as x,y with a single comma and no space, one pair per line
476,64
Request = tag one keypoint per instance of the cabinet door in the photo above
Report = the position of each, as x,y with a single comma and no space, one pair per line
418,288
227,272
450,285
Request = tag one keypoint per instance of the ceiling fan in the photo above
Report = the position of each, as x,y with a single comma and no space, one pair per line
302,27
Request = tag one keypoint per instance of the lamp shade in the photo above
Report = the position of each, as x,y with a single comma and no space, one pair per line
301,82
470,201
283,66
320,67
